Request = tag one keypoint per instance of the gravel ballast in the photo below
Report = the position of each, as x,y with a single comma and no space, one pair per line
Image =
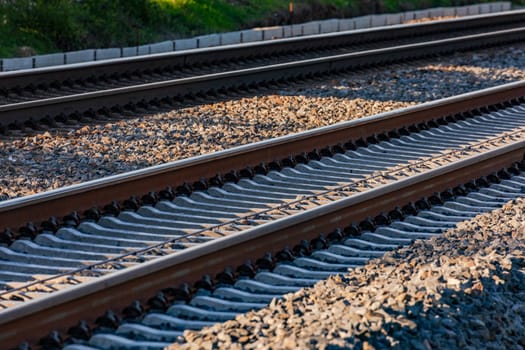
53,159
464,289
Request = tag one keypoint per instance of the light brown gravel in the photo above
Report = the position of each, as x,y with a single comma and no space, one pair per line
462,290
429,19
54,159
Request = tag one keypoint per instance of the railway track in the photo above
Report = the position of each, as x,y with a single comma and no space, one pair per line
338,175
153,66
39,98
254,287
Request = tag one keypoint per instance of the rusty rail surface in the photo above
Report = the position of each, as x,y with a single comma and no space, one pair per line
36,208
60,310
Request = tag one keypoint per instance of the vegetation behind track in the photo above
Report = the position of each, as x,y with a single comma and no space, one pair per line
29,27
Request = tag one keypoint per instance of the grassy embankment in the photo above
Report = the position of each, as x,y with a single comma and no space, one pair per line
29,27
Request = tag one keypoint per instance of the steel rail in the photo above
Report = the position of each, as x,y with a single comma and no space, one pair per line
97,193
79,103
204,56
87,301
329,195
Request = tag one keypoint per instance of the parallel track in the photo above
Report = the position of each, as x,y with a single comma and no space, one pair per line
161,91
185,175
334,208
214,57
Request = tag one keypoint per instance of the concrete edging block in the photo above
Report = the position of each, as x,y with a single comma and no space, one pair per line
287,31
407,16
449,11
393,19
272,33
231,38
377,21
329,26
80,56
362,22
9,64
461,11
251,35
105,54
506,6
129,51
296,29
436,12
421,14
311,28
495,6
143,50
484,8
473,10
346,24
185,44
208,40
163,46
54,59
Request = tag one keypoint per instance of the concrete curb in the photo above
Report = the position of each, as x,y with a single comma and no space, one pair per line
252,35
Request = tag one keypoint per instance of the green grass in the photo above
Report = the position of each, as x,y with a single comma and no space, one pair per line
48,26
10,43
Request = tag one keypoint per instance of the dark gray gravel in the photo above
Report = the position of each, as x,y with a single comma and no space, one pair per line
462,290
